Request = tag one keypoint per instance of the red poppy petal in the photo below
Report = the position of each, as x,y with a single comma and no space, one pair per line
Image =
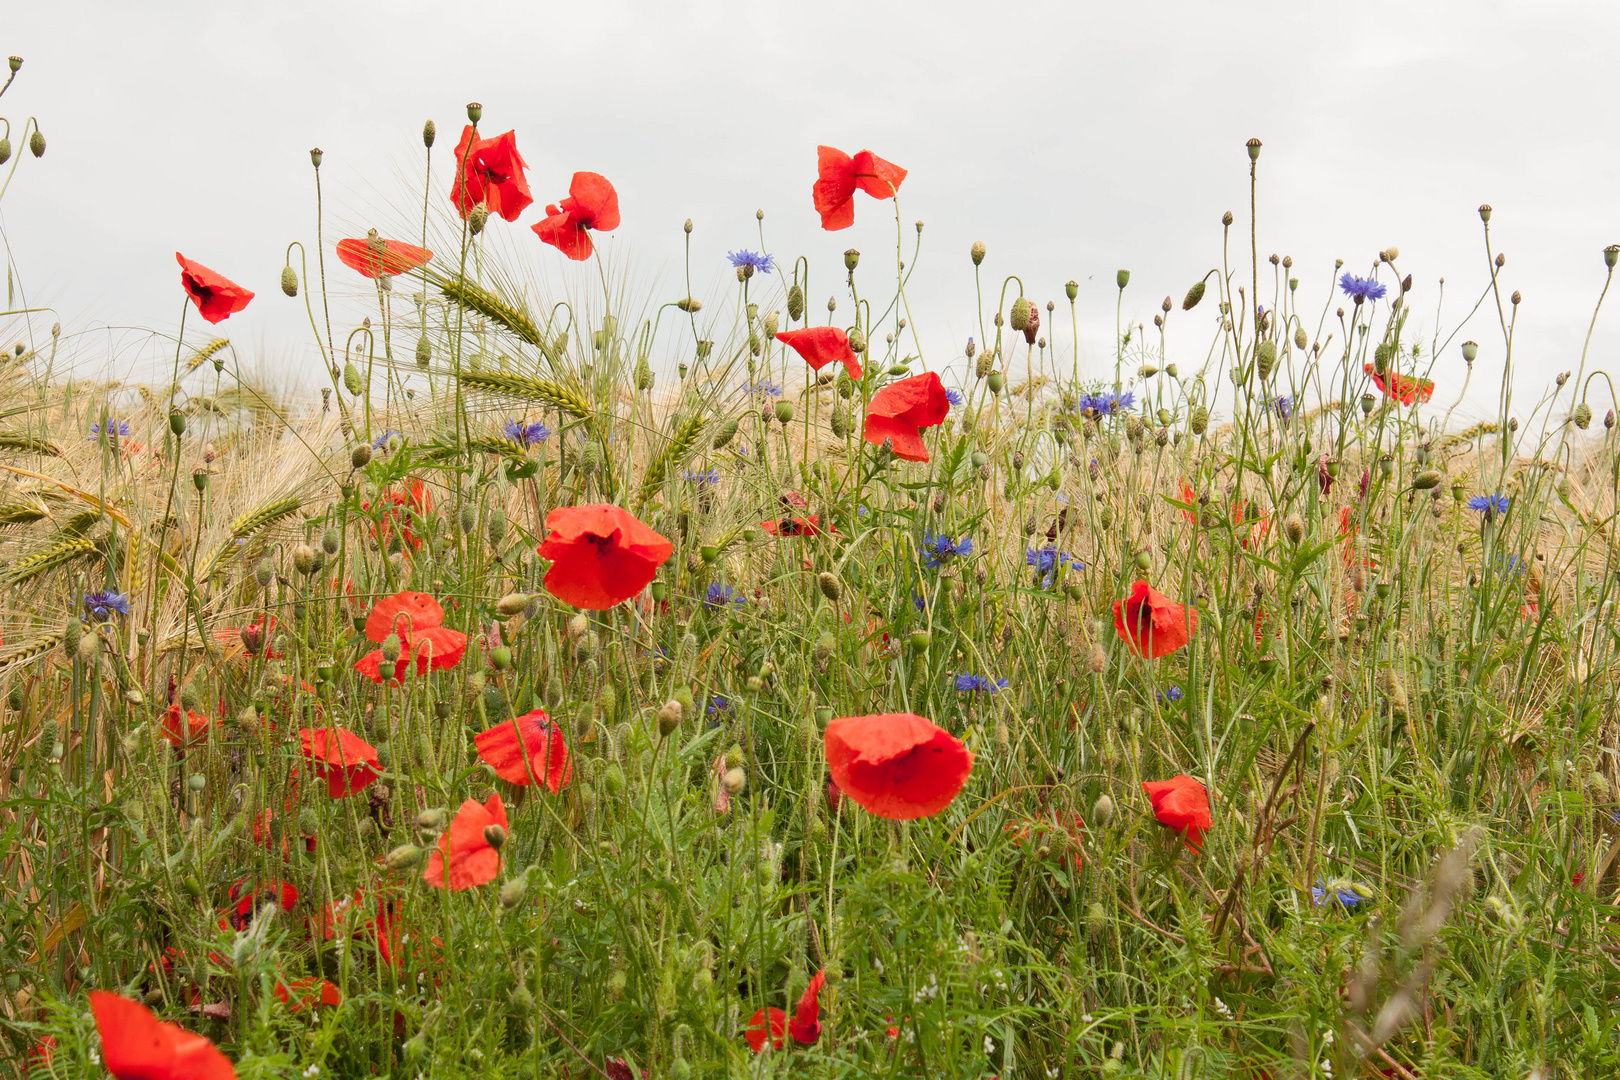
527,749
565,234
878,178
834,188
386,257
216,296
596,199
438,648
896,765
401,614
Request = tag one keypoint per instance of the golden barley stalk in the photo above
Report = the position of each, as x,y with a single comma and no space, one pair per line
29,444
492,307
41,562
675,451
267,514
527,388
206,353
19,513
31,650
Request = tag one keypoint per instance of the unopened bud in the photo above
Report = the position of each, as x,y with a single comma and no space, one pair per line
734,780
1102,811
977,251
669,716
289,281
495,836
430,132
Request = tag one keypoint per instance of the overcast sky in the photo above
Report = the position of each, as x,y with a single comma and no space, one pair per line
1073,138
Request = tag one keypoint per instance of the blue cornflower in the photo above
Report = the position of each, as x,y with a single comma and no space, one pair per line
121,427
1342,893
104,604
1284,406
719,704
938,550
1486,504
1361,288
758,260
1107,402
720,595
701,476
1048,560
919,601
968,683
953,396
1172,694
382,440
526,434
769,389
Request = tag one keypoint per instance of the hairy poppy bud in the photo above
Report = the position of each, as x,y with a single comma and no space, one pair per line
424,352
734,780
1300,339
430,820
305,559
1294,528
351,379
1097,659
265,574
511,604
360,456
1226,218
331,541
36,143
495,836
1200,420
1020,314
857,340
5,151
977,251
512,893
1122,278
477,220
1501,259
1427,479
289,281
1102,811
430,131
1582,416
670,715
1516,297
1265,358
391,648
495,526
403,857
1194,295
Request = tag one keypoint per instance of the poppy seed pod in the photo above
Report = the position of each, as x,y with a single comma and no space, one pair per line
315,157
289,281
475,112
1071,289
994,381
177,422
852,259
1470,349
1484,211
1611,255
199,480
784,411
1254,149
1122,278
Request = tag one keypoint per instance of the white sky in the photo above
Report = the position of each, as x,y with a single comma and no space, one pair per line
1073,138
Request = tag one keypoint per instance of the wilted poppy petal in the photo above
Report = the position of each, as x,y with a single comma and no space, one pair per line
897,765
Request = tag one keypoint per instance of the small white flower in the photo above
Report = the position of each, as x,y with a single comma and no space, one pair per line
989,1045
313,1070
1085,1018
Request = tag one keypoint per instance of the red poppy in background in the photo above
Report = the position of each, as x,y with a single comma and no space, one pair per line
346,761
1040,828
756,1032
247,900
1182,804
136,1045
303,994
1189,496
527,749
184,733
822,345
489,172
216,296
465,857
1152,625
415,617
805,1027
375,257
799,526
591,204
600,555
900,411
1403,388
253,637
414,498
897,765
838,176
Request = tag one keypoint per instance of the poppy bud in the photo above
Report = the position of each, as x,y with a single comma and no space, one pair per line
1122,278
360,456
511,604
495,526
1501,259
1294,528
315,157
5,151
265,573
830,586
1299,338
852,259
495,836
1200,420
670,715
1265,358
430,132
1516,297
1226,218
391,648
424,352
977,251
1102,811
1582,416
351,379
331,541
1097,926
511,896
305,559
734,780
477,219
289,281
725,434
1427,479
1020,314
430,820
36,143
1470,349
857,340
839,423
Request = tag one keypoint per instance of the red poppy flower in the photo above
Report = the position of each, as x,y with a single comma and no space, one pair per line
1189,496
1152,625
591,204
251,637
415,617
136,1045
247,901
1403,388
44,1051
1181,803
471,858
216,296
900,411
837,177
805,1027
810,526
402,503
303,994
600,555
527,749
344,759
897,765
191,730
1040,828
822,345
375,257
756,1034
489,172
